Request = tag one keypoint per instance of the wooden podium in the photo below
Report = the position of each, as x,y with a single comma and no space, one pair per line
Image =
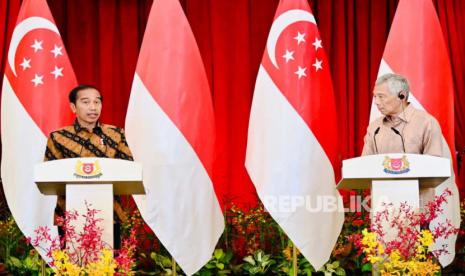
394,178
91,180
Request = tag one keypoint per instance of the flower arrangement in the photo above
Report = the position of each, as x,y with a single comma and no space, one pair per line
252,229
251,234
407,249
85,253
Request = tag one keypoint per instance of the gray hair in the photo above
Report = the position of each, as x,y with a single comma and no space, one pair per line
395,83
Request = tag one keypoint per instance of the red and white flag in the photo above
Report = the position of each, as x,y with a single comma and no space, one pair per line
416,49
170,129
38,77
292,140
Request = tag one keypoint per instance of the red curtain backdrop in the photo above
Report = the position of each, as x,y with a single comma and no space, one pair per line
103,40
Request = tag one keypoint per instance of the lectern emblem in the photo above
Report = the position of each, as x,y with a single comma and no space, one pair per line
87,170
396,165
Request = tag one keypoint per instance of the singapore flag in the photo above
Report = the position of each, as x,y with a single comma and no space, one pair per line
38,77
292,148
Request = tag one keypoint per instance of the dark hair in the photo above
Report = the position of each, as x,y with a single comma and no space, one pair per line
73,93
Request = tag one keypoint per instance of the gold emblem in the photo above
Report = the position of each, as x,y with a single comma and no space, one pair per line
396,165
88,170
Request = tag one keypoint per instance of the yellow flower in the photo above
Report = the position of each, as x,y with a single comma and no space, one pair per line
426,238
373,249
104,266
59,256
374,259
380,249
369,239
395,256
63,266
395,264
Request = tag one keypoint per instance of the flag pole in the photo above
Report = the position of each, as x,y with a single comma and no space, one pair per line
173,266
42,267
294,259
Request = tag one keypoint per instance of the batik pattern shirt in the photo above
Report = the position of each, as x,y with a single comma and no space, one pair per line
76,141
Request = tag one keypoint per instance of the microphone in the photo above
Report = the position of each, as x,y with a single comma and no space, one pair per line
401,138
374,139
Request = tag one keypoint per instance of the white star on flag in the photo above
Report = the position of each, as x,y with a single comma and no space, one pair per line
300,38
37,45
288,55
317,64
317,43
37,80
58,72
301,72
57,51
26,63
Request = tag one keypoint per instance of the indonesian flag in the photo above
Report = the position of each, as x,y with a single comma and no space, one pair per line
38,76
170,129
292,140
416,49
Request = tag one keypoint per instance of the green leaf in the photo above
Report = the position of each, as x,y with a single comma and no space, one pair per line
250,260
265,258
28,262
266,263
206,273
340,271
165,261
228,256
15,262
308,271
220,266
367,267
259,255
237,268
218,253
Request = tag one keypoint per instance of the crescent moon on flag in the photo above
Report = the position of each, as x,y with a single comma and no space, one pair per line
281,23
27,25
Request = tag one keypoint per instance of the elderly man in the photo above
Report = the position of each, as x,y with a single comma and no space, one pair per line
402,128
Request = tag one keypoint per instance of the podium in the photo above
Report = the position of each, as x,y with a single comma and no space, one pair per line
93,181
395,178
